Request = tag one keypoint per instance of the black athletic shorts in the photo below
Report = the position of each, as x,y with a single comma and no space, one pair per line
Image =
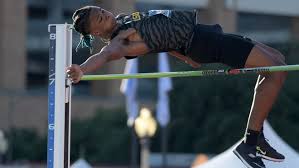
210,45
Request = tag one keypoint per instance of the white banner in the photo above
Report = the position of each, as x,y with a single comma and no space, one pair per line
164,86
129,88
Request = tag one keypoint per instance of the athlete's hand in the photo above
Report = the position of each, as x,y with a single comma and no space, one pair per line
75,73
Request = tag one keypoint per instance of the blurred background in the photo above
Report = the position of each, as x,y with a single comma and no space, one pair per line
207,115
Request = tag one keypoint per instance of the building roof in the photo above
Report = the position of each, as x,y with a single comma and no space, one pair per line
276,7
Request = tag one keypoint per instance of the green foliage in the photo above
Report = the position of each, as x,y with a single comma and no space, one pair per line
208,111
103,138
25,144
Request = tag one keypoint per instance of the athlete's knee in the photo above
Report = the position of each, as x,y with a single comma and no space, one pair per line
274,80
282,61
278,58
277,78
280,77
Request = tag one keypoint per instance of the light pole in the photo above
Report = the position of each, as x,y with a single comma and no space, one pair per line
145,127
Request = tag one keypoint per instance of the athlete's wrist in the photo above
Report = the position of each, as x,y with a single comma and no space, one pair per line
83,69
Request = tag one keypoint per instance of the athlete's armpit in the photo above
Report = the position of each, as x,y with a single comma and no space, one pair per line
135,48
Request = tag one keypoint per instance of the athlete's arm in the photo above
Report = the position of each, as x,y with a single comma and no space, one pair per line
75,72
117,48
184,58
113,51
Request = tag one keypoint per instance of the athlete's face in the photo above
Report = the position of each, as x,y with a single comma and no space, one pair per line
102,22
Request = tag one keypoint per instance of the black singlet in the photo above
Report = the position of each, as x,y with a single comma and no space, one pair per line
161,30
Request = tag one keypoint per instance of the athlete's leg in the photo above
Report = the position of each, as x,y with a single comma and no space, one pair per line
265,93
267,86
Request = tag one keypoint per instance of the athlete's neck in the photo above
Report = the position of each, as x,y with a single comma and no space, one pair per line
114,29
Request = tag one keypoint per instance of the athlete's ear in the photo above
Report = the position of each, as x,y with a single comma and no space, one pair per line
126,33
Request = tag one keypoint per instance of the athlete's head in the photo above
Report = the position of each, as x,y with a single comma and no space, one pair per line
93,21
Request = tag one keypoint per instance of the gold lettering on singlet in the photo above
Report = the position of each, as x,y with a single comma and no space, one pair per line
136,16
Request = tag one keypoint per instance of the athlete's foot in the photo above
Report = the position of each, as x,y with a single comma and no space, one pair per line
247,154
266,151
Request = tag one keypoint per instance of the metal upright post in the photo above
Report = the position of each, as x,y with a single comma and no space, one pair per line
59,96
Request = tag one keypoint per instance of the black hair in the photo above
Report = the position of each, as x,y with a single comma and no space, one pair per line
81,24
